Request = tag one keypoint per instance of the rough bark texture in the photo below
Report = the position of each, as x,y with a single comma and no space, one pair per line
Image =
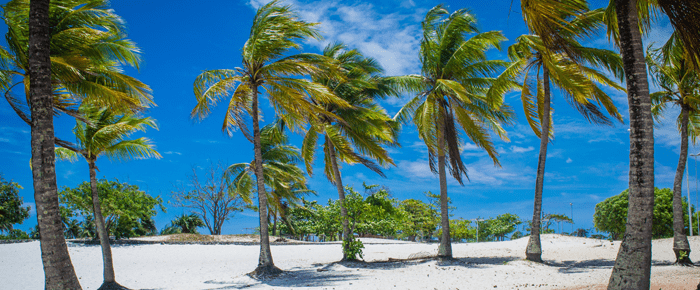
632,268
108,266
266,266
533,252
445,250
680,240
341,198
58,269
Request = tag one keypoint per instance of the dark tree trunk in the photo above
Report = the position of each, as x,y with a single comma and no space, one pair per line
533,252
445,249
347,238
109,281
58,269
266,267
632,268
680,240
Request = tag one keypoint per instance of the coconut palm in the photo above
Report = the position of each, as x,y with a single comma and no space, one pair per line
573,69
363,129
276,29
188,223
285,181
107,136
679,86
626,20
58,269
88,47
457,89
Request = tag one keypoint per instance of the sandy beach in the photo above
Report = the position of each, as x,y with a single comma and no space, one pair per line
571,263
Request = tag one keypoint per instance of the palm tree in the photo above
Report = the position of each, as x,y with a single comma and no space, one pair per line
680,86
188,223
107,137
456,89
626,20
572,68
88,46
276,29
363,129
58,269
285,181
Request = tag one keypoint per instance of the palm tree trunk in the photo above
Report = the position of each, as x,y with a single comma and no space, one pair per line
266,266
445,249
533,252
680,240
109,281
632,268
58,269
347,238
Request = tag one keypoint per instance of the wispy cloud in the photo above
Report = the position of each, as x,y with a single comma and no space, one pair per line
172,152
568,160
518,149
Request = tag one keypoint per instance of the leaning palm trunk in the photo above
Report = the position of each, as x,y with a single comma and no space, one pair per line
108,266
632,268
58,269
533,252
265,264
680,240
347,238
445,249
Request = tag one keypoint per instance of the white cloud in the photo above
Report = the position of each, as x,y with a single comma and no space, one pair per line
568,160
517,149
172,152
257,3
415,169
5,140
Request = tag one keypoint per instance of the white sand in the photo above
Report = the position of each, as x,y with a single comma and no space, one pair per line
572,263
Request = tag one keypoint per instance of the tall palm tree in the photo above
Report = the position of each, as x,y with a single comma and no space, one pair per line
58,269
626,20
107,136
680,86
285,181
363,129
457,88
88,46
276,30
188,223
573,69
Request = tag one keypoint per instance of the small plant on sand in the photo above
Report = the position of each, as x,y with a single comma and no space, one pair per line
353,249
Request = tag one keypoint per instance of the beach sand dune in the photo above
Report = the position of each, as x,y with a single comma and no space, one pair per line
571,263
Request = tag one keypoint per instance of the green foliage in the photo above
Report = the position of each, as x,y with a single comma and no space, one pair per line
353,249
503,225
15,234
423,219
124,207
611,214
188,223
11,209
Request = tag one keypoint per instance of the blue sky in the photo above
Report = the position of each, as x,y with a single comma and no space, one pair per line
179,39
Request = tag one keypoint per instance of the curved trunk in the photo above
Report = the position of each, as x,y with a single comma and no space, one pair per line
108,266
58,269
533,252
445,249
680,240
632,268
341,198
266,266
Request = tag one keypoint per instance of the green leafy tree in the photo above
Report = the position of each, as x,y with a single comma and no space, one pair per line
105,134
276,30
117,203
503,225
423,219
680,86
456,89
363,128
553,54
11,209
611,214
